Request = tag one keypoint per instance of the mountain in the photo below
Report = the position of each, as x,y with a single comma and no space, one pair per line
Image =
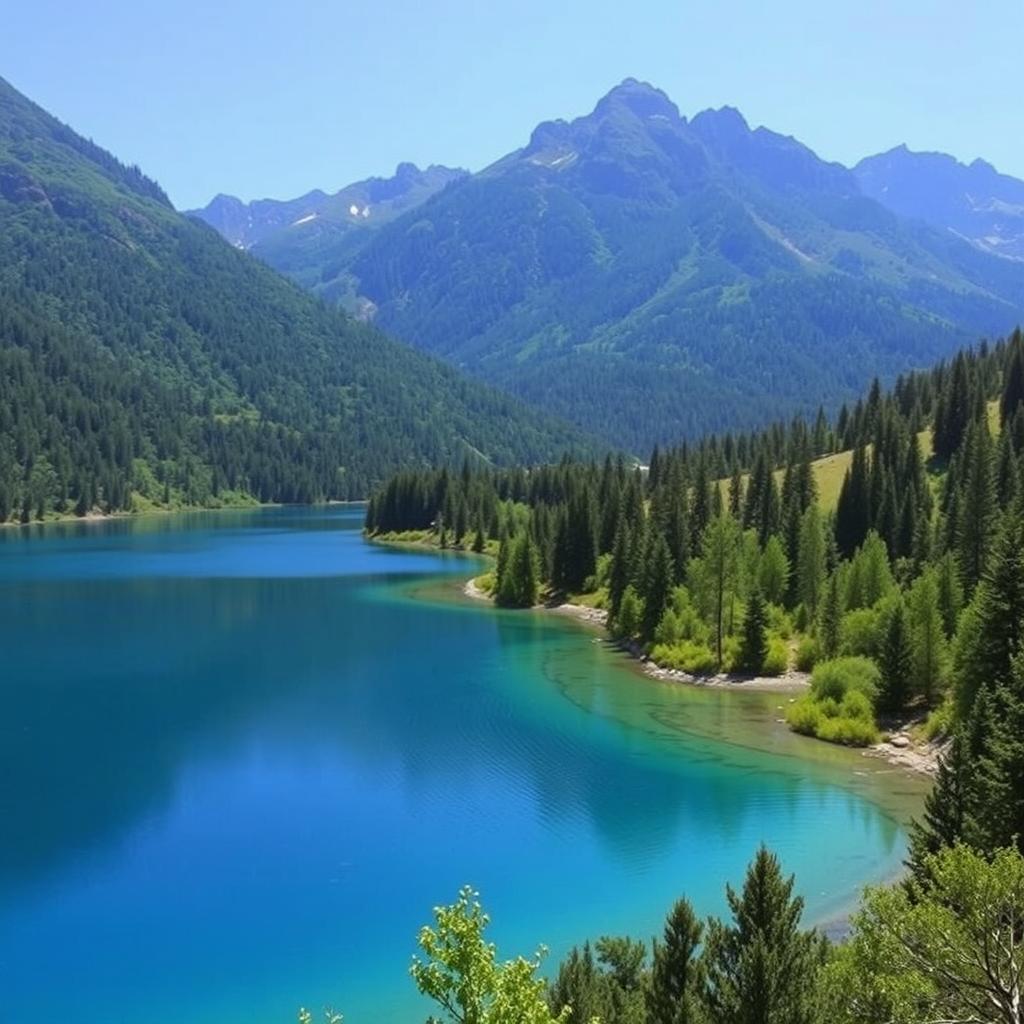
307,237
651,277
975,201
143,360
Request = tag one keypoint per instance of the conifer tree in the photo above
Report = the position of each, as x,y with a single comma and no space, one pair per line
762,967
927,637
1013,386
619,575
659,576
945,807
977,511
992,627
829,620
853,512
672,994
754,644
811,562
896,663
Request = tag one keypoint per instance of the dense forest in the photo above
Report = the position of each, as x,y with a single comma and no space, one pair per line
144,362
723,556
904,590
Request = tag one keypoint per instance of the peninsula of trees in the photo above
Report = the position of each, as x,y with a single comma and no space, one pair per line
751,553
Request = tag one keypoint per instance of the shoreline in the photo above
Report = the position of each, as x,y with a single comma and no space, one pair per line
900,750
106,517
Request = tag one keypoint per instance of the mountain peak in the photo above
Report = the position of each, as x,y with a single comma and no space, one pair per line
640,98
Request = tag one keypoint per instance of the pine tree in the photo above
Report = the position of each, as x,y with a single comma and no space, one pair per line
754,646
518,584
977,512
659,576
762,968
672,995
896,663
945,808
927,637
996,802
853,512
626,624
1013,386
619,574
829,620
991,629
811,560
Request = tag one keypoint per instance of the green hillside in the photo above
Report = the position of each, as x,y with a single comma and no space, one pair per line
145,361
651,277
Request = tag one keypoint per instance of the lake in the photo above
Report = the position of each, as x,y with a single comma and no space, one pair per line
242,755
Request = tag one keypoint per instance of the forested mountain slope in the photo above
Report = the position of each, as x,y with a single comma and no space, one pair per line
653,277
310,237
144,360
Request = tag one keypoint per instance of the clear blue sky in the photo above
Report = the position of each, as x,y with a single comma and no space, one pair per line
271,99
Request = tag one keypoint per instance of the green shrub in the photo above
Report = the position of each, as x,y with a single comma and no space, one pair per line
860,633
685,656
848,719
836,677
806,654
804,716
779,621
486,582
939,723
853,732
777,660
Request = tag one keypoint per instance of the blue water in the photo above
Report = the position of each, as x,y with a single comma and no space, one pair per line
243,754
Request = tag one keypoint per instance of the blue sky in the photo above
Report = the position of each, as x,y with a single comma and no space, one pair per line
271,99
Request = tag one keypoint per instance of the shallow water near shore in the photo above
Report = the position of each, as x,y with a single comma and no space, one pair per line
243,755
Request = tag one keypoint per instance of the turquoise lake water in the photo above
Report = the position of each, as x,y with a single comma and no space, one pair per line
243,754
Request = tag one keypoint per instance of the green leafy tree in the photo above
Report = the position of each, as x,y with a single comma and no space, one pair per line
626,625
811,562
948,949
762,968
830,620
720,558
773,571
929,649
460,971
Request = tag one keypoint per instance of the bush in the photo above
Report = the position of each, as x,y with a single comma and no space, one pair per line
806,654
486,583
850,721
779,621
777,660
837,677
685,656
939,723
804,716
852,732
860,633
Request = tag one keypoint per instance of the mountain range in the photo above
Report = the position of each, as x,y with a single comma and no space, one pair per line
651,277
144,360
